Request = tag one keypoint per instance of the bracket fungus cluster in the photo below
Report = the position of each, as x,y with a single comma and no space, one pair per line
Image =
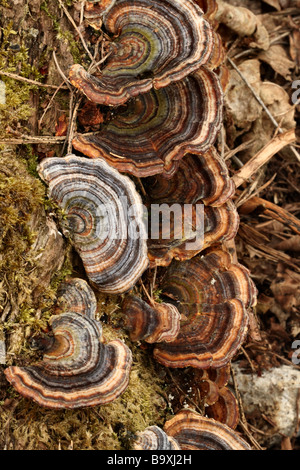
161,57
163,85
213,294
103,216
78,369
189,430
200,198
154,131
219,401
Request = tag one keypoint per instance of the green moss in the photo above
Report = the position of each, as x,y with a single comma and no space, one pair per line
63,34
17,94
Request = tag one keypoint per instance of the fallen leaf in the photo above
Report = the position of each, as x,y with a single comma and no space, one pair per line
278,59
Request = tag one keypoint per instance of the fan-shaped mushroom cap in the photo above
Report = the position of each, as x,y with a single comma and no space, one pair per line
154,324
154,438
194,432
104,217
77,370
225,409
188,233
213,295
157,129
199,177
75,295
155,43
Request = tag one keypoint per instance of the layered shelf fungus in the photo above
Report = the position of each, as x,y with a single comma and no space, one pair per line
75,295
152,133
154,43
159,322
189,231
154,438
77,370
199,178
103,216
213,296
191,211
195,432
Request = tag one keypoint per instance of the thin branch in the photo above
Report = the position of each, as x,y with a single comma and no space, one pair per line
263,156
27,139
49,104
32,82
71,129
243,421
77,30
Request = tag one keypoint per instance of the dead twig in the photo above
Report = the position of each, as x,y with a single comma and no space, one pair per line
32,82
263,156
77,30
27,139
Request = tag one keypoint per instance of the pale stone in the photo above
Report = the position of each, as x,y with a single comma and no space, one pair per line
273,394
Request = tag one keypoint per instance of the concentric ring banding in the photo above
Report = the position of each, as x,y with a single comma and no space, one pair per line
112,244
155,43
157,129
79,370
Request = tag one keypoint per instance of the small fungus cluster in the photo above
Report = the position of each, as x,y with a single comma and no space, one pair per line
162,83
190,431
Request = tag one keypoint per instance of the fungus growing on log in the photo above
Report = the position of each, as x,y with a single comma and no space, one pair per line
225,409
154,438
213,295
104,218
157,129
154,43
199,177
78,369
190,232
153,324
195,432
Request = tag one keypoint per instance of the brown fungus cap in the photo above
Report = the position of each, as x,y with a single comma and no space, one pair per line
225,409
199,177
78,370
154,438
103,214
153,323
191,231
75,295
154,43
156,130
213,294
195,432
